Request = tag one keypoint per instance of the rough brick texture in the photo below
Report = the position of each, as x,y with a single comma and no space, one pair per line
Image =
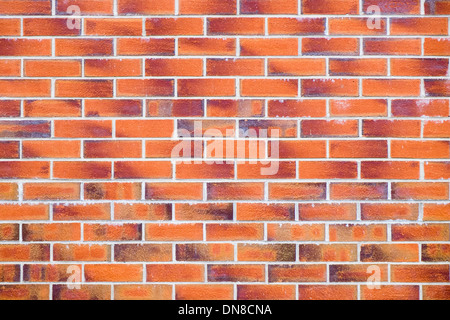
90,116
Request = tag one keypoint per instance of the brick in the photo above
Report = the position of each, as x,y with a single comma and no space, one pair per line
420,107
112,149
98,7
297,191
358,233
174,232
142,211
296,67
329,88
394,7
10,68
112,191
235,191
419,67
144,128
330,46
327,292
419,26
435,252
437,170
266,252
174,67
327,252
9,108
295,232
330,7
268,7
198,7
24,292
266,292
145,46
112,27
24,170
142,7
436,46
84,88
142,170
83,47
421,232
10,273
420,273
112,68
81,212
204,211
236,26
355,26
389,252
234,232
269,47
325,211
355,108
297,108
52,108
81,252
391,292
113,273
437,88
297,273
27,7
142,292
112,232
9,150
46,273
329,128
296,26
356,272
205,252
86,292
235,67
8,191
8,232
204,291
358,191
10,212
236,273
25,88
436,129
261,212
51,191
269,88
206,47
48,27
390,88
10,27
113,108
358,67
82,170
24,252
174,26
390,211
175,273
359,149
391,128
51,232
436,292
327,170
83,129
397,46
174,191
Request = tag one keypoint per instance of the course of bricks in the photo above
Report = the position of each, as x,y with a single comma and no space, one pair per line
89,118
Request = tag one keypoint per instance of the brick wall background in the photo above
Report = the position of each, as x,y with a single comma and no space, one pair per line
89,119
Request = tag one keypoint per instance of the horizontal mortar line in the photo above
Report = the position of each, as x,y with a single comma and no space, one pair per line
212,77
224,57
233,242
246,15
223,36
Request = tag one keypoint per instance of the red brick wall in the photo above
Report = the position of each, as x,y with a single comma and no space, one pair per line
89,118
